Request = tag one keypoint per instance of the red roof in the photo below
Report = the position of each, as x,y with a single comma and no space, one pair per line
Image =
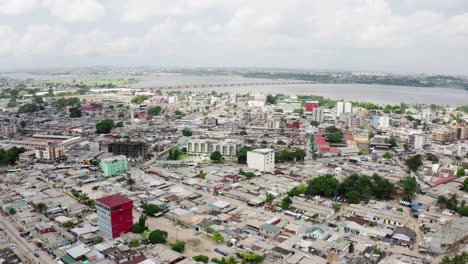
319,140
113,200
443,180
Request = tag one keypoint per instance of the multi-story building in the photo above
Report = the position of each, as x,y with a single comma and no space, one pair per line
132,150
114,215
317,114
343,108
418,141
261,159
310,106
427,116
444,135
462,131
257,100
232,98
228,147
354,122
114,166
8,129
289,106
380,121
49,151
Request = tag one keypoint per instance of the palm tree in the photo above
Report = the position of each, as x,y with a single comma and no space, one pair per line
83,198
41,207
130,182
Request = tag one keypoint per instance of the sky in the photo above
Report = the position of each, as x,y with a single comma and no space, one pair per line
403,36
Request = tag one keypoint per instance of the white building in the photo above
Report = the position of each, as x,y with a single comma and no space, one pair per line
232,98
418,141
172,99
380,121
317,114
427,116
257,100
343,108
289,106
204,147
261,159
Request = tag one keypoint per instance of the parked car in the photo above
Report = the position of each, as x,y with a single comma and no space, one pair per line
220,252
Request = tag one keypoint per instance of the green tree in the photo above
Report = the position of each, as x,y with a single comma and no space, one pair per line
68,224
387,155
28,108
351,248
216,156
178,246
465,185
314,123
334,138
242,155
414,162
353,197
326,185
119,124
201,258
409,187
187,132
461,258
461,172
392,142
41,207
286,203
75,113
138,229
269,199
251,257
130,182
217,237
174,154
151,209
154,111
138,99
432,157
134,243
157,237
104,126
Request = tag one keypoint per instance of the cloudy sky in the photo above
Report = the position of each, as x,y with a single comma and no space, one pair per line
420,36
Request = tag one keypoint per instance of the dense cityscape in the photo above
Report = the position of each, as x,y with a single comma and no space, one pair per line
95,171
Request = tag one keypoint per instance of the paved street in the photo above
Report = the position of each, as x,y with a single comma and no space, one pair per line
24,249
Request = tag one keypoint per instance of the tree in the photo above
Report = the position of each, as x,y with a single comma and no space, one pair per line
334,137
326,185
178,246
23,124
28,108
432,157
251,257
229,260
130,182
387,155
243,133
392,142
75,113
157,237
409,187
138,229
187,132
269,199
353,197
201,258
414,162
242,155
174,154
465,185
461,258
314,123
217,237
314,156
216,156
12,211
119,124
370,134
351,248
441,201
68,224
104,126
381,187
138,99
154,111
336,207
151,209
134,243
286,203
41,207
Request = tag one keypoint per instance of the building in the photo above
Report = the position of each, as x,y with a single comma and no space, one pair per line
343,108
114,166
427,116
380,121
418,141
257,100
261,159
114,215
310,106
8,129
232,98
289,106
90,107
462,131
228,147
354,122
443,135
318,114
132,150
50,151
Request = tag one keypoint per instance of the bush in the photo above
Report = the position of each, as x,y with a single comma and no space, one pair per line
134,242
158,237
178,246
138,229
201,258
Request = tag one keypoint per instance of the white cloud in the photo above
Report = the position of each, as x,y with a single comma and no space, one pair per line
16,7
75,10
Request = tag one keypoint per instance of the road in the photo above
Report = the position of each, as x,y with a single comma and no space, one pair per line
24,249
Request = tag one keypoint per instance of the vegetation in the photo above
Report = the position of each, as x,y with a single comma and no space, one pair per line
154,111
201,258
286,203
75,113
284,155
157,237
178,246
217,237
387,155
229,260
461,258
10,156
28,108
68,224
187,132
314,123
151,209
242,155
104,126
251,257
333,134
269,199
134,243
138,99
216,157
414,162
409,187
62,102
174,154
140,227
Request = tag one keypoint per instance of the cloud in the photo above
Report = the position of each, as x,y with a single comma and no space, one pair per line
16,7
75,10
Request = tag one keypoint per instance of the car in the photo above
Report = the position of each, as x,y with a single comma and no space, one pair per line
36,254
220,252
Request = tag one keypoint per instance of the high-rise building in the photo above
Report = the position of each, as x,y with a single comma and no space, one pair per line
261,159
114,215
443,135
310,106
317,114
232,98
427,116
343,108
418,140
380,121
132,150
114,165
